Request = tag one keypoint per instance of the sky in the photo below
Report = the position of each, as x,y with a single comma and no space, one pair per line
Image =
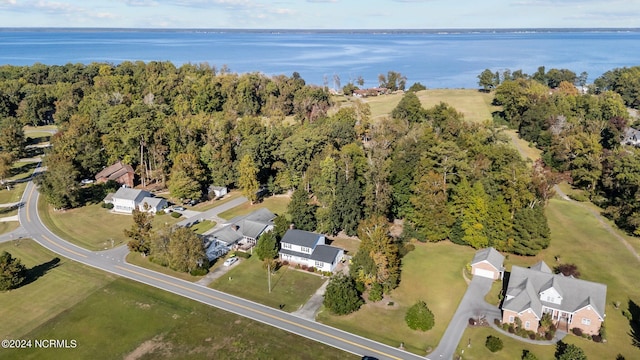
321,14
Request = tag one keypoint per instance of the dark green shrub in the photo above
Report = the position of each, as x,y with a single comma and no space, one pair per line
375,293
175,215
419,317
493,343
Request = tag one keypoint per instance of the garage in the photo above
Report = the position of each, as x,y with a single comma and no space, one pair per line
484,273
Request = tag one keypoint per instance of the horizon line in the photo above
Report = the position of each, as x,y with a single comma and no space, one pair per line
481,29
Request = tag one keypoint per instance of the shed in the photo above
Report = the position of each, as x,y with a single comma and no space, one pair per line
488,263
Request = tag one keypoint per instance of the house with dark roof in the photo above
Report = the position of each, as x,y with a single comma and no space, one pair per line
125,200
571,303
488,263
241,232
118,172
307,248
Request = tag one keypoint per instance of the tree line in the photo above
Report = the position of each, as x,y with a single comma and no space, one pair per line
581,134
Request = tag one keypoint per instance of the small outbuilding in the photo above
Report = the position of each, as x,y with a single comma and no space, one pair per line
488,263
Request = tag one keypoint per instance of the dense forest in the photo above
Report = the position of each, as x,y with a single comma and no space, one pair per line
580,133
192,126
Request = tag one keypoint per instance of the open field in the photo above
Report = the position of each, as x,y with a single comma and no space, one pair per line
579,239
476,106
59,285
288,286
276,204
130,320
433,273
92,227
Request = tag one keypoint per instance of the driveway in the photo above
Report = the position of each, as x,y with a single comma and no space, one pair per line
472,305
211,214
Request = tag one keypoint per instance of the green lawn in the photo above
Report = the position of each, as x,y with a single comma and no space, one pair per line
288,286
202,226
349,245
92,226
474,105
130,320
59,288
433,273
276,204
8,226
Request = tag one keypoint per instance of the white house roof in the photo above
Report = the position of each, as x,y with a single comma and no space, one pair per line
490,255
525,285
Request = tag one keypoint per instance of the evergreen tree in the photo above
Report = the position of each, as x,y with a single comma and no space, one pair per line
347,209
267,246
531,231
186,177
140,231
341,296
12,272
303,214
419,317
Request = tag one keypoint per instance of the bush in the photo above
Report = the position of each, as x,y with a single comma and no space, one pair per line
311,269
577,331
511,329
472,322
107,205
375,292
596,338
567,270
303,266
161,212
175,215
493,343
199,271
419,317
285,263
241,254
532,335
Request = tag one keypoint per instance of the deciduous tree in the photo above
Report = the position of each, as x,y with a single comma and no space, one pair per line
341,296
12,272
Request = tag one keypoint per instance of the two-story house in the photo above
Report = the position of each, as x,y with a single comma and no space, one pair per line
125,200
572,303
307,248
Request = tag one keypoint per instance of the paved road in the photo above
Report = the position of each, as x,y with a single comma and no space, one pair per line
113,261
472,305
211,214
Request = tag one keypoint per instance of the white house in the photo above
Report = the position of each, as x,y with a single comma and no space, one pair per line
125,200
307,248
217,191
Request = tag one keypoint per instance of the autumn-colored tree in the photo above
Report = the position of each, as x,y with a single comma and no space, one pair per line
248,178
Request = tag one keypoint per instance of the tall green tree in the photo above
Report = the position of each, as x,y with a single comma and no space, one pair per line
187,176
140,231
531,231
301,211
12,272
267,246
186,250
382,251
248,178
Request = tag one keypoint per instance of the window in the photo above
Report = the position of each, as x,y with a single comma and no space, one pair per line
512,319
286,246
586,321
306,250
527,324
319,264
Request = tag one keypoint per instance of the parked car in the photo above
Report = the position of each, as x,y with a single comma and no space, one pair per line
86,181
230,261
179,208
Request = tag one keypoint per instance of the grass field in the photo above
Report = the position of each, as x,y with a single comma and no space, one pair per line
139,260
61,285
276,204
474,105
433,273
202,226
91,227
288,286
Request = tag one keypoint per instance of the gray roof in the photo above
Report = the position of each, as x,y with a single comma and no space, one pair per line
153,202
490,255
301,238
261,214
227,235
251,225
131,194
525,286
325,253
295,253
541,266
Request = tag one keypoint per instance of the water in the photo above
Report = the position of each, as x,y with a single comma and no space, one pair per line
435,59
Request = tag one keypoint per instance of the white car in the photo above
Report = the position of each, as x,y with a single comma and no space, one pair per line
230,261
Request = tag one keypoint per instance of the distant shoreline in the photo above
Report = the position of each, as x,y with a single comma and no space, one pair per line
326,31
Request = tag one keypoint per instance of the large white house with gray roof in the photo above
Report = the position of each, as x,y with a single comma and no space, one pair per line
125,200
307,248
572,303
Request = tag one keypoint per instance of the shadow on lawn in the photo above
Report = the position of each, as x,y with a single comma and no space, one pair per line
40,270
634,321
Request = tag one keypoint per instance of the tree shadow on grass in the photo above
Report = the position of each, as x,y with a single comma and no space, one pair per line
40,270
634,322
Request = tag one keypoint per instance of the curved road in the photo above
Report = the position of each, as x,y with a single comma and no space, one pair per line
113,261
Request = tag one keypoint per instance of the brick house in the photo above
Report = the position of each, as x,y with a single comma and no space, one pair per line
119,172
572,303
